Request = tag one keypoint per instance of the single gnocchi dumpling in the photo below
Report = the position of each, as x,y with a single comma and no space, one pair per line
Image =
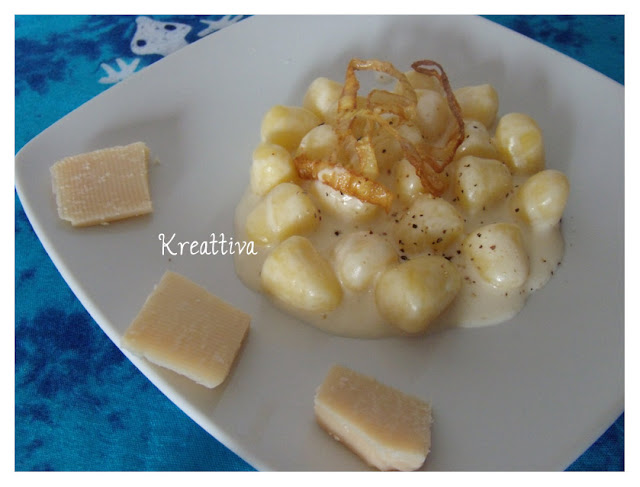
360,257
541,200
319,143
286,125
477,142
479,102
285,210
322,96
429,223
413,293
272,164
498,253
408,184
345,207
433,114
387,150
481,182
296,274
519,141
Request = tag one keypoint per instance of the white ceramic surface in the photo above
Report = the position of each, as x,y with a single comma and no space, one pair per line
532,393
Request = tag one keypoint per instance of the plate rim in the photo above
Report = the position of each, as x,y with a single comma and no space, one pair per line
57,259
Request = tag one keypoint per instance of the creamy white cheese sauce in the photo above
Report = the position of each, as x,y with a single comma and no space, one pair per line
477,304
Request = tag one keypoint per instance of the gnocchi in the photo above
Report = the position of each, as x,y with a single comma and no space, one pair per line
413,293
479,102
542,198
480,182
284,211
477,142
402,210
318,143
286,125
296,274
272,165
518,139
408,185
429,224
497,252
433,114
360,257
322,96
341,205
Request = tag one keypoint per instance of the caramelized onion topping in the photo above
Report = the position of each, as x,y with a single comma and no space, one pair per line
353,168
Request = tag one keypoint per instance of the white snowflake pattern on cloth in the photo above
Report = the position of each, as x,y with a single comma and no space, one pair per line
114,76
215,25
159,38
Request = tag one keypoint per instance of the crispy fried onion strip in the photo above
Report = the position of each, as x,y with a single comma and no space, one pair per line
357,122
427,168
403,103
354,132
343,180
443,154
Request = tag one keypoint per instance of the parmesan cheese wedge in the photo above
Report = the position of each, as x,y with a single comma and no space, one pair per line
185,328
103,186
388,429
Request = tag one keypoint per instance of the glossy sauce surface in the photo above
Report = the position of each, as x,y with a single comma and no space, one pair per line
477,304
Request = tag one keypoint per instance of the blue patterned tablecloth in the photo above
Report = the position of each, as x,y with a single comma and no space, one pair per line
80,405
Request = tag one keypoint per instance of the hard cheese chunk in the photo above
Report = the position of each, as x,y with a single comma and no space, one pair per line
103,186
186,329
390,430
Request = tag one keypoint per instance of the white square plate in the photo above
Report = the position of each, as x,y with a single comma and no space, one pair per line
529,394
